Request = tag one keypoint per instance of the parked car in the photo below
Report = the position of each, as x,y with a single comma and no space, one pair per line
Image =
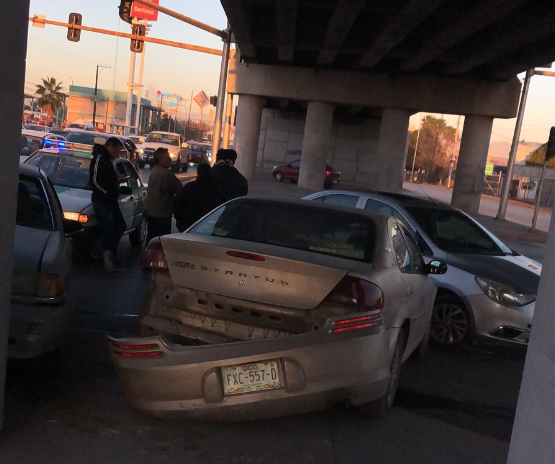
137,139
32,141
175,145
267,307
85,140
36,127
61,132
41,312
291,171
69,172
489,290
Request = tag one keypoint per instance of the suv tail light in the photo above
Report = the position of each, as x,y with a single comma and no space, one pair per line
154,257
49,286
147,350
354,296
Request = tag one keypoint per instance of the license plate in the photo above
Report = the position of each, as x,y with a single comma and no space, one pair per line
252,377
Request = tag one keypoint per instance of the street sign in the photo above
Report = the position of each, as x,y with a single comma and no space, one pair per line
489,169
201,99
144,12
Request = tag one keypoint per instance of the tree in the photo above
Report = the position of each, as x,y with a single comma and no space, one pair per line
51,96
435,145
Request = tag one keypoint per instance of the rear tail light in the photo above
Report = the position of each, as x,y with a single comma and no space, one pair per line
146,350
354,296
244,255
328,173
154,257
49,286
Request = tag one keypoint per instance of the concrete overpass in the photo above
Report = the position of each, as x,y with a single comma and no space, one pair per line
339,80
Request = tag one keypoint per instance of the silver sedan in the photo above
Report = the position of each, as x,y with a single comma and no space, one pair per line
267,307
489,290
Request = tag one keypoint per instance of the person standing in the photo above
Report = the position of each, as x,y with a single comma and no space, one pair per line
105,192
163,185
227,179
196,199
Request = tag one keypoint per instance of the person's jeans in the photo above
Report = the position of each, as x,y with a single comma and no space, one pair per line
111,222
158,227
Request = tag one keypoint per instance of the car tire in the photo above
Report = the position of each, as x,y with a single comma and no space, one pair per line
379,408
141,164
278,176
451,324
138,236
177,166
185,167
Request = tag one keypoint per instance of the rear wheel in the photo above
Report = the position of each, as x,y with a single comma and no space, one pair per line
137,237
185,167
379,407
278,176
450,324
177,166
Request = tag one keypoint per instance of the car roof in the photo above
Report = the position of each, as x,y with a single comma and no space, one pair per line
35,133
29,170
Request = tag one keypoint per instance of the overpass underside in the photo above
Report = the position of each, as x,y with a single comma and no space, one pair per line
338,81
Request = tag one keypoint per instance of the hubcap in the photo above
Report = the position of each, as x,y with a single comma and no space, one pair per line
449,324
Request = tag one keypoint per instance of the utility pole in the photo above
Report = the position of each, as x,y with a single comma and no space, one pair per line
140,83
189,116
130,86
95,92
452,157
222,88
514,147
227,120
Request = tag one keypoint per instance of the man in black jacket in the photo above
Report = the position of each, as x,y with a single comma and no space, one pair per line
105,192
227,179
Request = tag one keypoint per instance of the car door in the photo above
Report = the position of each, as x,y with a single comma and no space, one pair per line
126,201
139,193
416,283
292,170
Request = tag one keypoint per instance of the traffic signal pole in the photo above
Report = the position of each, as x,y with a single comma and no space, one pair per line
222,87
130,85
13,36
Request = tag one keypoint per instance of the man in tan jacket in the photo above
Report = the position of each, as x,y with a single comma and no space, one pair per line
162,188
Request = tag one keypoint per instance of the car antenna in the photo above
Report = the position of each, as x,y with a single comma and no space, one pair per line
435,202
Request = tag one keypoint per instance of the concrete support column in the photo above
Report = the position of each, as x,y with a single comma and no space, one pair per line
532,438
385,173
247,133
316,141
13,31
471,166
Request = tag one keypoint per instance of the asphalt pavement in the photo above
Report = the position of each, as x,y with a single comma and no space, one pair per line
453,407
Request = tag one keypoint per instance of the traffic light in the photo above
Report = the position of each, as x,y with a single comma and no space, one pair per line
214,100
138,46
125,11
550,153
74,35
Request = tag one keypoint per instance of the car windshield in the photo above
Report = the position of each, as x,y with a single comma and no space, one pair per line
454,232
32,207
168,139
302,227
84,138
70,171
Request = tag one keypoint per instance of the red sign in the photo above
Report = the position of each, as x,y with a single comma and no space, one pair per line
144,12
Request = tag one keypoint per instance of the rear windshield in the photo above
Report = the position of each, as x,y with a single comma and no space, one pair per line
84,138
301,227
32,206
168,139
64,170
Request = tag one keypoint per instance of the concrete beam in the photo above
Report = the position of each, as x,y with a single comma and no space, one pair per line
415,93
345,14
241,29
506,42
465,26
286,17
13,31
397,28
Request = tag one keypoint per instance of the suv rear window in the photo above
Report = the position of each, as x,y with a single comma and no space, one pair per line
301,227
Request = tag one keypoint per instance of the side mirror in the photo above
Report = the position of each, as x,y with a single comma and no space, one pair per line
71,227
436,267
125,190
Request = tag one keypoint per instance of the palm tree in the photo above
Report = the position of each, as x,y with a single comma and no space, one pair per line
51,96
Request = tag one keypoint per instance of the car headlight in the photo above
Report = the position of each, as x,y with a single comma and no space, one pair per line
504,294
173,155
82,218
141,151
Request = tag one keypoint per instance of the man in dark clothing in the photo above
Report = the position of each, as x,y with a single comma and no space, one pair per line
196,199
105,192
225,176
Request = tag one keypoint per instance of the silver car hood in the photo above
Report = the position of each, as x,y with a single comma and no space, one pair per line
72,199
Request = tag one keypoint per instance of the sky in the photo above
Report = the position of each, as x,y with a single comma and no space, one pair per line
167,69
179,71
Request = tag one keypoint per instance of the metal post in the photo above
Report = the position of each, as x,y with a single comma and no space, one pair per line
221,95
514,146
415,150
452,158
538,198
130,86
13,34
106,119
189,117
94,104
227,120
140,89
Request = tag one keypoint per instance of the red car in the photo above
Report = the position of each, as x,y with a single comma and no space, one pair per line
290,172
